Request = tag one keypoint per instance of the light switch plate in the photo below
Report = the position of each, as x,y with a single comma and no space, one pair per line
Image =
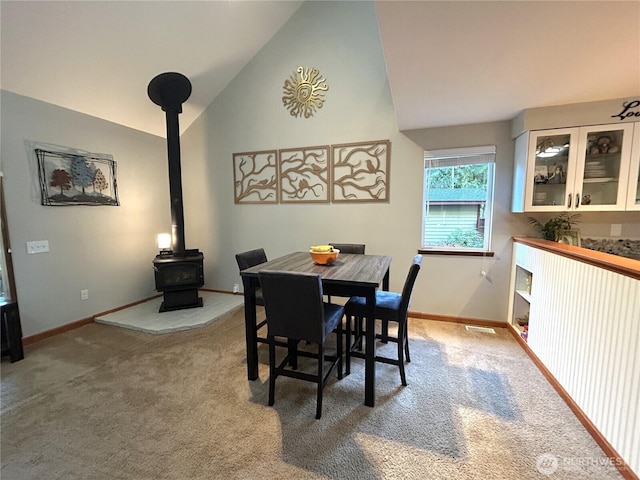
38,246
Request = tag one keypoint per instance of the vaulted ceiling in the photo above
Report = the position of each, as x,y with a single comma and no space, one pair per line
448,62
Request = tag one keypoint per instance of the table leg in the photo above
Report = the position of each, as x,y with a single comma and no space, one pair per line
385,325
370,351
251,334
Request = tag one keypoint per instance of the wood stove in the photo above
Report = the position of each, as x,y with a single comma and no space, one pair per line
178,272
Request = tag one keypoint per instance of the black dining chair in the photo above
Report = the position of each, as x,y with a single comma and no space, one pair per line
357,248
249,259
390,307
349,247
295,310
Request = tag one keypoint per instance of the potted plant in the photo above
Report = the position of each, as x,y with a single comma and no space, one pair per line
556,227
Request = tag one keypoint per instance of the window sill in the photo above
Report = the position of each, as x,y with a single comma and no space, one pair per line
460,253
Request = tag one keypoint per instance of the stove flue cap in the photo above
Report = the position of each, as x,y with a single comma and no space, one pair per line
169,90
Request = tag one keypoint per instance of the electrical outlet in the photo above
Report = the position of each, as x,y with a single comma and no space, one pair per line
236,288
39,246
84,294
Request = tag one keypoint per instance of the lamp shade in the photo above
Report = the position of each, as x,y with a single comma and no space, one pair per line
164,241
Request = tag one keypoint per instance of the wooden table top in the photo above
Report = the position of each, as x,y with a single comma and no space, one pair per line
354,269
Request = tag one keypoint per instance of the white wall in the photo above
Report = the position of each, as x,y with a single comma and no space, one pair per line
476,295
107,250
341,39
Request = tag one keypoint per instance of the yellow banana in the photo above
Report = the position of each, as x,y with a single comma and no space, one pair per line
321,248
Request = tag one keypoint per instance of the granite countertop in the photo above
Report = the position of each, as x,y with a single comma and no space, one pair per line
623,247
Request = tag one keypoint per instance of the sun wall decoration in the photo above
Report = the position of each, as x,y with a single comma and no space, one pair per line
303,91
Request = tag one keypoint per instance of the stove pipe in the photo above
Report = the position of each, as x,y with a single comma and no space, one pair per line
170,90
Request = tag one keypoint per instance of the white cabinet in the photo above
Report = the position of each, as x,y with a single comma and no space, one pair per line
580,168
633,196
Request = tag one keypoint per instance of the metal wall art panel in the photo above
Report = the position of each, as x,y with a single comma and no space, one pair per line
304,92
255,177
360,171
304,175
69,178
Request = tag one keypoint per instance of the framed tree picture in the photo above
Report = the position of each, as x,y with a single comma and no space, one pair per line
304,175
360,171
255,177
68,178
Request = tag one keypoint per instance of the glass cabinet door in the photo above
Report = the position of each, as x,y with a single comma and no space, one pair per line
633,197
552,158
606,150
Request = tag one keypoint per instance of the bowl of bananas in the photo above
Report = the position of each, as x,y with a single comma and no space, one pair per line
323,254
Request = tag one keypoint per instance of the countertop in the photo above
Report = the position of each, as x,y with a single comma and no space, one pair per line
614,263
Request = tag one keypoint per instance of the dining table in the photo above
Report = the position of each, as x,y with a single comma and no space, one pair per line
349,275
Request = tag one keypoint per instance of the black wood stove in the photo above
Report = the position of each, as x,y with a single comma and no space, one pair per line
178,272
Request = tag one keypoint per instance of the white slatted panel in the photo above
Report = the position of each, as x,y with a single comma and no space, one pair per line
585,327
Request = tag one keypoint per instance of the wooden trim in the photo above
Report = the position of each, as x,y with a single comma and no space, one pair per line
455,319
128,305
607,261
214,290
56,331
460,253
79,323
602,442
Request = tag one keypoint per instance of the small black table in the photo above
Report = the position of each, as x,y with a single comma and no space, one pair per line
11,331
350,275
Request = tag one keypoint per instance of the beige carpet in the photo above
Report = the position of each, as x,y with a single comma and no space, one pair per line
102,402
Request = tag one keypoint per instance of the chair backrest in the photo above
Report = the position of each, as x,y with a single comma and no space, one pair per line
293,304
349,247
251,258
408,286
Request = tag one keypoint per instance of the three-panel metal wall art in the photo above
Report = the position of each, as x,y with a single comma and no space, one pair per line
348,172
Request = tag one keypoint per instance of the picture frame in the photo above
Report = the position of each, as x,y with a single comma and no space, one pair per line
571,238
73,178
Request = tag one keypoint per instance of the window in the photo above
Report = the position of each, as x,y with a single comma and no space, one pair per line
458,200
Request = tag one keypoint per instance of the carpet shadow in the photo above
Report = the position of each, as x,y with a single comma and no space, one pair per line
422,417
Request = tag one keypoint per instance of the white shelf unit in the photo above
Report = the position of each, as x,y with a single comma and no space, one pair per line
523,280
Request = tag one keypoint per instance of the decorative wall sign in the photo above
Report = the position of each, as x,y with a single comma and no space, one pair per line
255,177
360,171
76,179
303,91
628,110
304,174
